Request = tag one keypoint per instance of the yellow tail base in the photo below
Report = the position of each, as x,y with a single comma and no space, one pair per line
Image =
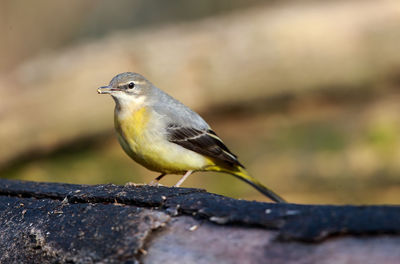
242,174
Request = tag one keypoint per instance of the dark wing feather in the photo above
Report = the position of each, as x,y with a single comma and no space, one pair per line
204,142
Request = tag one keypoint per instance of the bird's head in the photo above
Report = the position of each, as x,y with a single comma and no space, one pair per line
126,87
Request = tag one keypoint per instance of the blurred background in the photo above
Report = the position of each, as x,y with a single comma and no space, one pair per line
305,92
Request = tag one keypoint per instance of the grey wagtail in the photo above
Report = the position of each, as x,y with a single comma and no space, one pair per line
163,135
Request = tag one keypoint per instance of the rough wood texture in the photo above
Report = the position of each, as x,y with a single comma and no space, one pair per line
51,222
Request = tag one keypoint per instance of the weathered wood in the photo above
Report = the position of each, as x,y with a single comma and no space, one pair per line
51,222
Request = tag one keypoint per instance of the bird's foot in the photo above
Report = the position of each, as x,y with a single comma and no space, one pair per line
155,183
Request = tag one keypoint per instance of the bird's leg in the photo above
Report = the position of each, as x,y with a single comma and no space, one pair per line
156,180
183,178
160,177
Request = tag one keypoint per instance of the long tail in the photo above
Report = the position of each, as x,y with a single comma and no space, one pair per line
244,176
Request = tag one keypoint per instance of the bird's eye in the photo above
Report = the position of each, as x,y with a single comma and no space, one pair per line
131,85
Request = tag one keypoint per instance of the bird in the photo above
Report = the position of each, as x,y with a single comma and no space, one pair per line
165,136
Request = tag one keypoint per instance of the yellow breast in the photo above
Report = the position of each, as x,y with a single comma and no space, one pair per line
131,128
141,135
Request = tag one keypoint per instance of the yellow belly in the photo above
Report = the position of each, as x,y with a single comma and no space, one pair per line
141,134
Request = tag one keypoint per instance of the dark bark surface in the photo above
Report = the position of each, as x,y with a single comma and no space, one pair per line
52,222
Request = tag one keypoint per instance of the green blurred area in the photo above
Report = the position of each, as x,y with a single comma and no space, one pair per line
312,148
341,155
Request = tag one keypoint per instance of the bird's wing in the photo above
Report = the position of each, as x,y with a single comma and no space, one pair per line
204,142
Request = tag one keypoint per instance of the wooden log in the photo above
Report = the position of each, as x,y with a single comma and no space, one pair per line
65,223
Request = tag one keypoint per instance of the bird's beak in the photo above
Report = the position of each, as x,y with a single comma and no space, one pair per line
107,89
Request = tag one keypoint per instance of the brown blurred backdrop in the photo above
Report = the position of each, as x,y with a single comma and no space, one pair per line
305,92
